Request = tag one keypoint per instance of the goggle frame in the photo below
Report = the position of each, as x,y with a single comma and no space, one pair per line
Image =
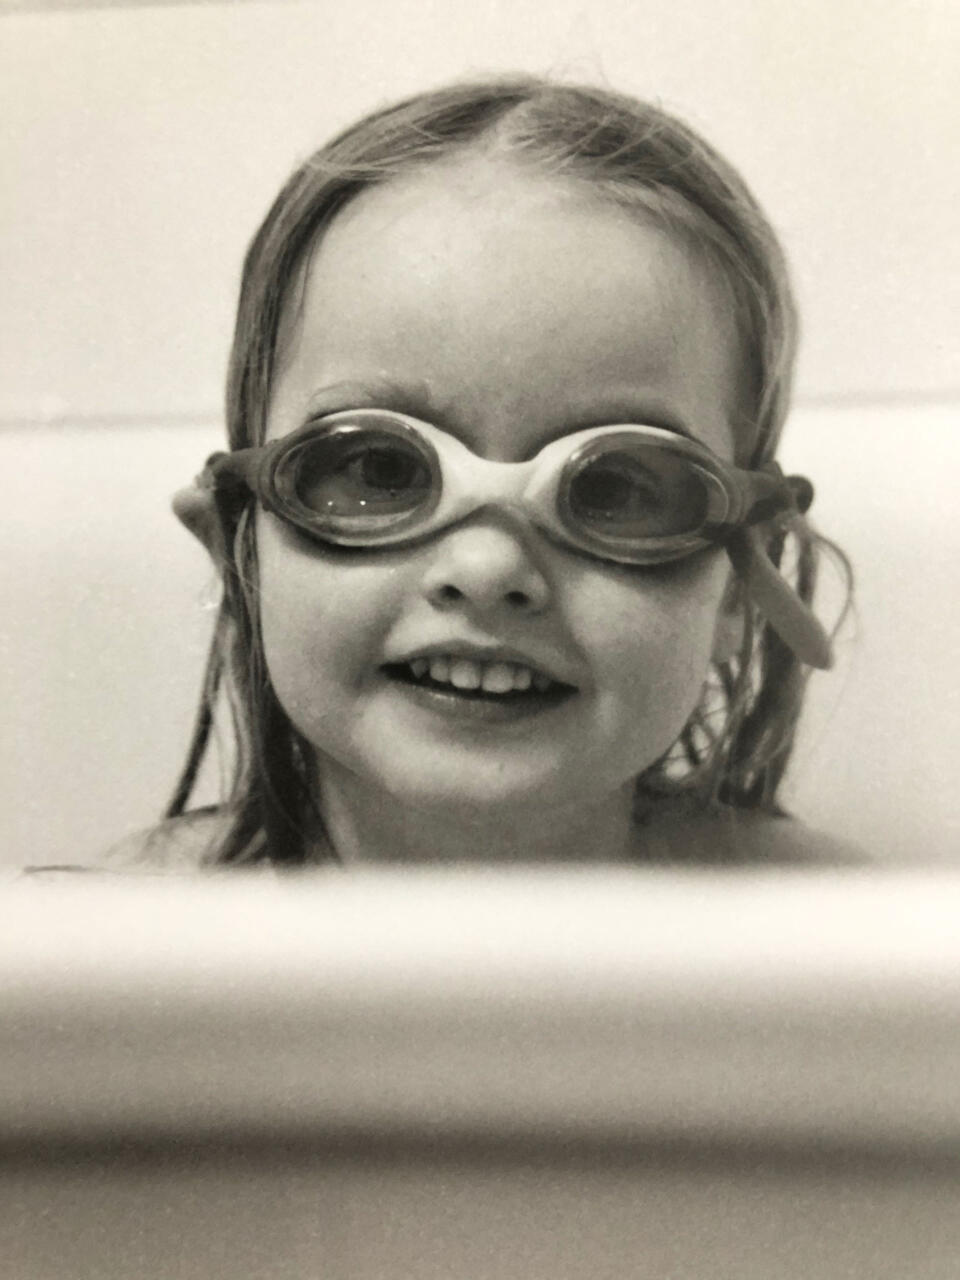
464,483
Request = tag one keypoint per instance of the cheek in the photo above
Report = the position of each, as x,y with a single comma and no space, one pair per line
322,616
651,635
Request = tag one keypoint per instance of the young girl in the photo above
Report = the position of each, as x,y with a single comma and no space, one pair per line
500,529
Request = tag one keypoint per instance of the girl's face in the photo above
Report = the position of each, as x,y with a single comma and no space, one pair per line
508,310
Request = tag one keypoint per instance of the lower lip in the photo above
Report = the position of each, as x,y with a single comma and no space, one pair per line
492,710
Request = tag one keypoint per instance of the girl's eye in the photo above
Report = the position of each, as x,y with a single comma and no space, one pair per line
625,495
388,471
347,476
612,493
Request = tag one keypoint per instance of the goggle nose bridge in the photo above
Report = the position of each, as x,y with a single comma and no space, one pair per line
472,484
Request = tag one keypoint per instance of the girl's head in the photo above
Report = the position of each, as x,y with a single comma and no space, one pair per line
510,262
611,148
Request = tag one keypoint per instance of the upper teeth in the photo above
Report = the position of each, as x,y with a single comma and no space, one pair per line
492,677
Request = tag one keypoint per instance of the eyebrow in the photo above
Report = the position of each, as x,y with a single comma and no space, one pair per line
610,407
413,398
629,406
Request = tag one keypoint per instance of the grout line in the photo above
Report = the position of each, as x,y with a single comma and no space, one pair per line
82,6
109,421
875,399
63,419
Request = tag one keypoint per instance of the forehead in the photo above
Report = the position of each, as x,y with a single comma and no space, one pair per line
515,307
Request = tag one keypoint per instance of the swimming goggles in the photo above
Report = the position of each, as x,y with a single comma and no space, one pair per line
633,495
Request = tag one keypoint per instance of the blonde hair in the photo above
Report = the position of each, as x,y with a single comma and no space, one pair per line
632,153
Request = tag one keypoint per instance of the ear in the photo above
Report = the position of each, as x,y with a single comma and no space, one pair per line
731,620
196,508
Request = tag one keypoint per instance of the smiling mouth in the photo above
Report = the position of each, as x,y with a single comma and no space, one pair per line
467,678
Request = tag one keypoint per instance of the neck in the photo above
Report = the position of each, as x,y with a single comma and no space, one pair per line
367,826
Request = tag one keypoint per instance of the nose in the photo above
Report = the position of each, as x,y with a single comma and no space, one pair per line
486,566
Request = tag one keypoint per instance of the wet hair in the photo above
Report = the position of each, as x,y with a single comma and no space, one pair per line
735,748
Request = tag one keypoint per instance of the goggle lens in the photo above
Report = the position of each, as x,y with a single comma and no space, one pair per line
636,493
352,480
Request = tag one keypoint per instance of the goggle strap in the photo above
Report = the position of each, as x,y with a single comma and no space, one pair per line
794,622
773,493
229,470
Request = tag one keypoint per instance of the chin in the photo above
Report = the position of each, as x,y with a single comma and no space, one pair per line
478,797
496,794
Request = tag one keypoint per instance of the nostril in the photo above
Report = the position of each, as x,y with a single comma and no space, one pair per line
519,599
450,593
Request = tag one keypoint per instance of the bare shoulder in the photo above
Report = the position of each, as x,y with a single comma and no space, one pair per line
178,845
723,836
788,841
